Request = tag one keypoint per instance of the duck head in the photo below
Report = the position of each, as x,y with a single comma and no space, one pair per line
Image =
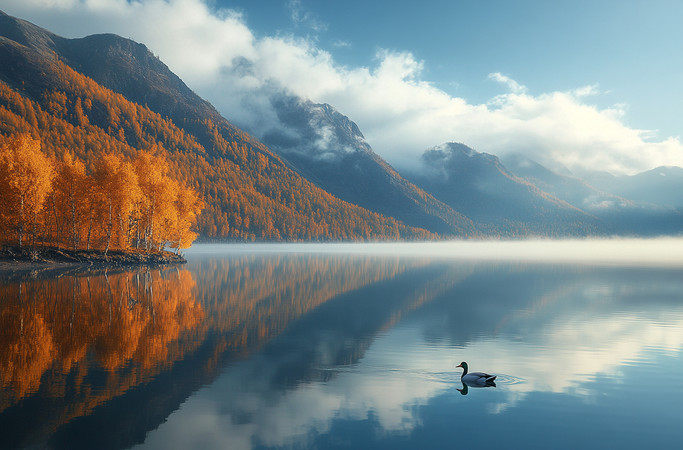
464,367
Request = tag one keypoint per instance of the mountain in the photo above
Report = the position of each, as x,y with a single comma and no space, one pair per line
481,187
573,190
649,203
119,64
312,175
661,186
106,94
329,149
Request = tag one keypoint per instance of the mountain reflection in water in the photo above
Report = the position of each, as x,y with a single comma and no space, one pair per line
290,349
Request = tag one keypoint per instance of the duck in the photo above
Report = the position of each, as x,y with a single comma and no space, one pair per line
476,379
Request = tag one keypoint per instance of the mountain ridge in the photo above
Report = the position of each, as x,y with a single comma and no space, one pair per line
329,149
480,186
646,213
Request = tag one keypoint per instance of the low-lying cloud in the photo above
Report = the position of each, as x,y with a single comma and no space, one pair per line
401,114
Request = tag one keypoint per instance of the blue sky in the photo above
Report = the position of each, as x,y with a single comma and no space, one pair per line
629,49
581,84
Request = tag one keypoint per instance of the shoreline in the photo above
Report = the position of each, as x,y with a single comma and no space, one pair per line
13,258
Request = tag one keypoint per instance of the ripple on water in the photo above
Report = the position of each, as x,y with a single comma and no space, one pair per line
448,377
508,380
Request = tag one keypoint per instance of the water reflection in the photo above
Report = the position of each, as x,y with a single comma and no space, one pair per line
465,389
381,355
71,343
121,317
244,350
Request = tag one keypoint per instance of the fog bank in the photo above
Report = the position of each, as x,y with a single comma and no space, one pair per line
666,251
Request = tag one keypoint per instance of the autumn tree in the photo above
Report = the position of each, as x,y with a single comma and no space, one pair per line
158,199
25,179
71,195
117,205
116,193
188,205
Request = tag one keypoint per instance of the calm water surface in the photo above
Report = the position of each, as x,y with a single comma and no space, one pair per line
268,346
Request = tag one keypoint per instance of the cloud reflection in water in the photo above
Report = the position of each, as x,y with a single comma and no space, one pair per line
545,328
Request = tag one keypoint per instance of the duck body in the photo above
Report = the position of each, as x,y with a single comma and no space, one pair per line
476,379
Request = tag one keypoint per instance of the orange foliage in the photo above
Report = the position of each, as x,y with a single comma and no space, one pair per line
25,180
121,317
115,206
159,193
187,208
116,193
71,198
249,192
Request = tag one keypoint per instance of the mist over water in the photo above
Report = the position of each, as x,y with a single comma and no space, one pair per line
664,251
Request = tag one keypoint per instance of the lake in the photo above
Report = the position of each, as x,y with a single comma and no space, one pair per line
254,346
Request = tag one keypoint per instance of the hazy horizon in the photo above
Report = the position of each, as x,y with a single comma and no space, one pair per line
661,251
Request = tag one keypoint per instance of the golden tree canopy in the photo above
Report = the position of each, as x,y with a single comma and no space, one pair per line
25,181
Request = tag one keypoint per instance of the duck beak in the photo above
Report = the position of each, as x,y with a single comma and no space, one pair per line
459,365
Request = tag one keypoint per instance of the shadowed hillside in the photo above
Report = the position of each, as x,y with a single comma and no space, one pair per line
482,188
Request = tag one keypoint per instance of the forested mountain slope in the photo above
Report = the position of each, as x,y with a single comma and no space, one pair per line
250,193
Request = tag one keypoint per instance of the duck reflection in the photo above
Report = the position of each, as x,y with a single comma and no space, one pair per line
474,379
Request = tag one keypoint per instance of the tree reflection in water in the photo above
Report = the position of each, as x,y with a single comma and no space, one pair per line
138,343
122,322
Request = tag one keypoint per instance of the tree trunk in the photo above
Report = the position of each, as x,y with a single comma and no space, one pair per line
151,227
35,230
20,228
87,245
110,225
57,230
74,236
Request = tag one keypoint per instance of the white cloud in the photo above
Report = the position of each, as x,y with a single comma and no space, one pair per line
400,113
514,87
392,381
303,18
341,44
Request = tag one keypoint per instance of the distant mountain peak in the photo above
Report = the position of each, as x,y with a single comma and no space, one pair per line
452,158
666,171
454,151
455,148
481,187
315,131
329,149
